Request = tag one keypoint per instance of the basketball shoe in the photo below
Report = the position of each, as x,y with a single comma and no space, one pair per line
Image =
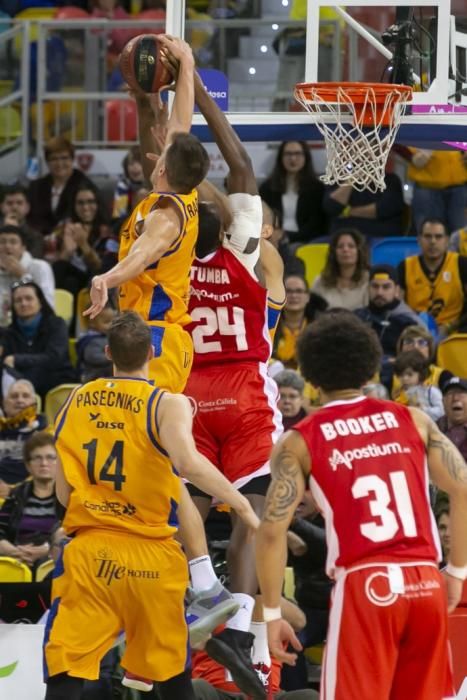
131,680
232,649
207,610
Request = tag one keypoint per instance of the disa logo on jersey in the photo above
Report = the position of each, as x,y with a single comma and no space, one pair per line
107,424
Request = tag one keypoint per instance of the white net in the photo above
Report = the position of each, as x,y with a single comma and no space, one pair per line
358,135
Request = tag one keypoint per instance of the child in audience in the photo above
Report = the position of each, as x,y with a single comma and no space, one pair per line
412,369
92,360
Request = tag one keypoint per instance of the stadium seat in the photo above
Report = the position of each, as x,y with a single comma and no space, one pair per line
33,15
82,302
55,398
391,251
64,302
121,120
13,571
314,256
10,124
289,583
72,351
452,354
43,569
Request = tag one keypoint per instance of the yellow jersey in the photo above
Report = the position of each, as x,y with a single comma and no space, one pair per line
444,169
463,241
160,294
398,394
443,296
122,478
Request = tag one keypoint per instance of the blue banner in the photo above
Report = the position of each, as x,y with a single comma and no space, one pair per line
217,85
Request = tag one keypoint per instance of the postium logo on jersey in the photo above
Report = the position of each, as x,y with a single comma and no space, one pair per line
348,457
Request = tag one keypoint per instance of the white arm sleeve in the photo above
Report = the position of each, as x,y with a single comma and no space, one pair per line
246,225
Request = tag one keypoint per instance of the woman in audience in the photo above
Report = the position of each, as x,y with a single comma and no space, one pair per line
84,245
291,386
35,344
293,320
19,421
51,196
29,516
418,338
344,281
294,191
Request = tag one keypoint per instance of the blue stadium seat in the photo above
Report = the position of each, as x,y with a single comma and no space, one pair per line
390,251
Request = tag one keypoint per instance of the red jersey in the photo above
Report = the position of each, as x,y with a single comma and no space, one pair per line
369,477
229,312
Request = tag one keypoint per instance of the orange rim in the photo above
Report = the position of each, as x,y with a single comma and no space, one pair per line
378,110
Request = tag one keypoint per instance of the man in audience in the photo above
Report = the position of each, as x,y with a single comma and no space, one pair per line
15,209
290,404
454,423
16,263
436,280
386,313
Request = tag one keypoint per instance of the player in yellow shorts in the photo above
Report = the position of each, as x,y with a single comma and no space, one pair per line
123,569
158,243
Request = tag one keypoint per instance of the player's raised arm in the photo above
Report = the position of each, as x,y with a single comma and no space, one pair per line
182,109
153,117
175,430
241,176
448,471
289,463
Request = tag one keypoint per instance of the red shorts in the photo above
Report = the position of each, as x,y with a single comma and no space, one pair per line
388,646
236,419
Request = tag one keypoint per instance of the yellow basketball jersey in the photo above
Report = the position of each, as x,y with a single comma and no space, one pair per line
108,442
160,294
443,297
398,394
463,241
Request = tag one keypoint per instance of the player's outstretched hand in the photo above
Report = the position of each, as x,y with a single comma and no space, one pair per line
280,635
454,588
176,47
99,295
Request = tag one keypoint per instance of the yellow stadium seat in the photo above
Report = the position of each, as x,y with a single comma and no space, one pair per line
55,398
13,571
452,354
64,303
72,351
10,124
289,583
43,569
314,255
33,15
82,302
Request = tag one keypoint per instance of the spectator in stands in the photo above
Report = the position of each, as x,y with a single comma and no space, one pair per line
458,241
15,210
83,245
51,196
419,338
112,9
16,263
412,369
454,422
375,390
29,516
373,214
294,191
129,183
439,179
344,281
290,404
436,280
292,322
35,344
386,313
92,360
19,421
443,523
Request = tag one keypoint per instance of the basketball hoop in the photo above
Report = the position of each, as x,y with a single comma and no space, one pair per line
359,123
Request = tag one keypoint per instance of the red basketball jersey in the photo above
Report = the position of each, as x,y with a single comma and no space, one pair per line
229,312
369,477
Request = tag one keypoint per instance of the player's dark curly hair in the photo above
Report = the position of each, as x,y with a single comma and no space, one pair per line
186,163
338,351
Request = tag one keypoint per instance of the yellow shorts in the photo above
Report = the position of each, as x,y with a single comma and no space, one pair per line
173,357
107,582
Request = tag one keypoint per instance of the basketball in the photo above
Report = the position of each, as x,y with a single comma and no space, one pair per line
141,66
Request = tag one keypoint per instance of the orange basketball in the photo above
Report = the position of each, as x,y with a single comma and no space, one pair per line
141,66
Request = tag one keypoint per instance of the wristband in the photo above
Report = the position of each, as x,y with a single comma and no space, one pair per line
346,211
271,614
459,572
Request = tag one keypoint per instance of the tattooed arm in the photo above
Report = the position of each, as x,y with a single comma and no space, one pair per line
448,470
289,464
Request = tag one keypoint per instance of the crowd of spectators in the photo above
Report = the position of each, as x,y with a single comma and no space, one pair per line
57,232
